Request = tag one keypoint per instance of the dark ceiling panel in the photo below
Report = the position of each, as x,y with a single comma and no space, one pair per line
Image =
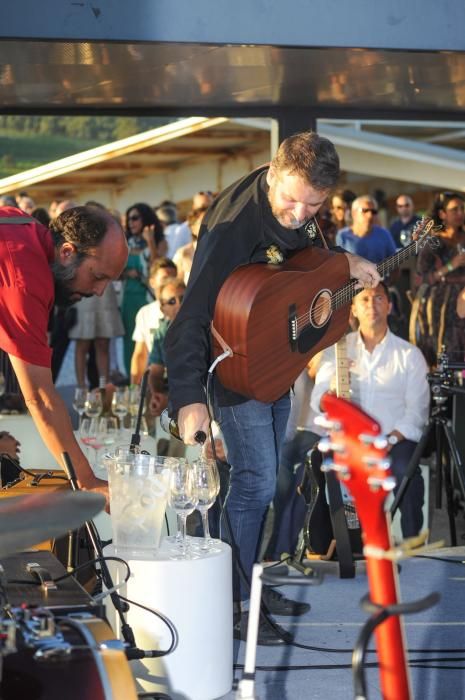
40,76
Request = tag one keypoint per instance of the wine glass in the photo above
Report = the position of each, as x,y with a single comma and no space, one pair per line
134,399
183,499
88,435
79,402
2,383
120,404
207,481
93,405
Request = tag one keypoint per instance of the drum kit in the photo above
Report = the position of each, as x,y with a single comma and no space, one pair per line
45,653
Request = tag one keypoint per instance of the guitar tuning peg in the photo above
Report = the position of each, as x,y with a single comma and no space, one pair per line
325,445
383,464
327,424
386,483
367,439
380,442
327,465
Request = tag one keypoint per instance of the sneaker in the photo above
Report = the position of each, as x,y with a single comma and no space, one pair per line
267,635
276,604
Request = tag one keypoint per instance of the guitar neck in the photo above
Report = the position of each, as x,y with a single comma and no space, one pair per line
342,369
390,638
345,294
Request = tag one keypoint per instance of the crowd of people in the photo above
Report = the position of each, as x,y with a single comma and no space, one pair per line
153,280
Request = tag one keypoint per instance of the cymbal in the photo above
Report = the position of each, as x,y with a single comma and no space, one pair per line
29,520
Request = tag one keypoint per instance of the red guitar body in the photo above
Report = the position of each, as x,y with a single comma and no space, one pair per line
255,312
360,464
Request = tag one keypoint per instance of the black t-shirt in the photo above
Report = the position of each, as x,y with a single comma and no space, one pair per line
238,229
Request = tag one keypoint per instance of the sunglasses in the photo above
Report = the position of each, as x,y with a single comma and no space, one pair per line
366,211
172,300
134,217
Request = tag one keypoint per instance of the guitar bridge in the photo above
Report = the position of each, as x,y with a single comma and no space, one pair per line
292,326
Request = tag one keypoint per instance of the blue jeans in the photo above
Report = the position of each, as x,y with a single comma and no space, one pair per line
411,513
253,433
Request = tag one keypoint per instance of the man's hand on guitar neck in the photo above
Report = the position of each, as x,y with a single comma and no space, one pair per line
191,419
363,271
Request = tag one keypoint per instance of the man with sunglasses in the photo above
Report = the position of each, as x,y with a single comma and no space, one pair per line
401,228
170,296
364,237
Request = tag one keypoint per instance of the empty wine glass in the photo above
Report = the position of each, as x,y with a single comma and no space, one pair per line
183,499
134,399
107,434
93,406
88,435
120,404
2,383
207,482
79,402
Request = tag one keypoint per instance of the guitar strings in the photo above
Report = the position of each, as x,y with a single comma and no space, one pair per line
344,294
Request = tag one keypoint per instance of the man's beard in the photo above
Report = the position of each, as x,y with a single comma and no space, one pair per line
63,276
283,216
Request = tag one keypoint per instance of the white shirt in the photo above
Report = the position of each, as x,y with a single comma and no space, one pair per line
183,260
147,321
389,383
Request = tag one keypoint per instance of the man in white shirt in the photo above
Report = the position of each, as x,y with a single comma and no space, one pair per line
388,380
148,318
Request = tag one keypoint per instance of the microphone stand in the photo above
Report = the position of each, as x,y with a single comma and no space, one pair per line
135,438
96,542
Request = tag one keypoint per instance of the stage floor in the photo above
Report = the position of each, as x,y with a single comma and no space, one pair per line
336,618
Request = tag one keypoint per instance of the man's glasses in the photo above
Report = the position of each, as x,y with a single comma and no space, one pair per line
368,211
403,206
172,300
134,217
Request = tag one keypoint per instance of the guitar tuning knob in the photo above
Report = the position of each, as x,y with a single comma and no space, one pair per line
383,464
327,465
325,445
380,442
327,424
386,483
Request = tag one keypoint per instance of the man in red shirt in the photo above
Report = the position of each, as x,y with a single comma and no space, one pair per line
83,251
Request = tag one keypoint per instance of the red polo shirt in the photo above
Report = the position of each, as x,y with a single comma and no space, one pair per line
26,288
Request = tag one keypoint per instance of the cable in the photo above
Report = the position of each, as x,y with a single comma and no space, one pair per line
94,561
163,618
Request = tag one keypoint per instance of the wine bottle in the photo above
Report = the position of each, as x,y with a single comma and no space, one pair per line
170,425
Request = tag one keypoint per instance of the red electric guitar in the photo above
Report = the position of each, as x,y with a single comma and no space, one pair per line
361,464
275,318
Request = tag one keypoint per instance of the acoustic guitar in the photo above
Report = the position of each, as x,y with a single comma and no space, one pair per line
360,462
275,318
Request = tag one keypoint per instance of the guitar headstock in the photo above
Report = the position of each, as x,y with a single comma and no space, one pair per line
359,457
424,231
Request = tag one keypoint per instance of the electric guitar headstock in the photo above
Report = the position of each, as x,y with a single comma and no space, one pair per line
424,233
359,458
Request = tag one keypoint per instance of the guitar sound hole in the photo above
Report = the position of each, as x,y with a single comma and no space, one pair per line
320,310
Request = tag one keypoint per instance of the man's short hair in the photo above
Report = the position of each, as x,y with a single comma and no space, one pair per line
171,282
162,263
310,156
358,201
84,227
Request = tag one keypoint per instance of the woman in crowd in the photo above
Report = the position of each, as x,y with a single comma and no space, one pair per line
434,322
146,242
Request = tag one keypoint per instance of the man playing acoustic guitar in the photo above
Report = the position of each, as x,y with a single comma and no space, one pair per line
259,219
